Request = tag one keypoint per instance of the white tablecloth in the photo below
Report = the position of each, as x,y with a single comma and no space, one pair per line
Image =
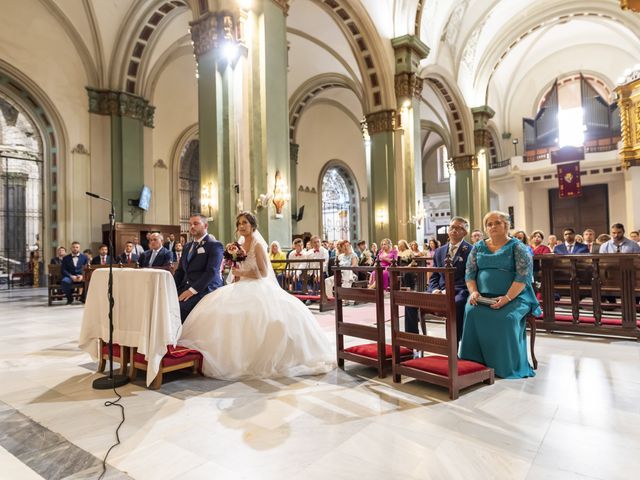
146,313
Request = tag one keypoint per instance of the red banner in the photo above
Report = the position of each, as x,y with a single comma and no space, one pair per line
569,180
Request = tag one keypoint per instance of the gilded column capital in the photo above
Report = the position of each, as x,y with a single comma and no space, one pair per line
628,98
213,29
382,121
463,162
122,104
633,5
408,85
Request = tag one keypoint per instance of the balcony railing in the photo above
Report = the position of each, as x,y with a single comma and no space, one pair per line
590,146
503,163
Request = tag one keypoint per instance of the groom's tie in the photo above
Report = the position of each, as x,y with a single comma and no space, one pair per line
191,250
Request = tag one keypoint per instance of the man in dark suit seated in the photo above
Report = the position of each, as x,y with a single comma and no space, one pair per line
103,257
170,244
61,253
72,270
198,272
459,250
570,246
129,255
157,255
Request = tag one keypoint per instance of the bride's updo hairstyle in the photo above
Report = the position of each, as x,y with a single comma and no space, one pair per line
250,218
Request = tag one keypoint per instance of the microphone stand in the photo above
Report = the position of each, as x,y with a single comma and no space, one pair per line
112,381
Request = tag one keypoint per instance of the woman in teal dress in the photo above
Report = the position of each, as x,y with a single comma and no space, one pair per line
500,267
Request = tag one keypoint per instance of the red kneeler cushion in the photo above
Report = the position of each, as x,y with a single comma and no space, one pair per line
116,349
440,365
371,350
174,356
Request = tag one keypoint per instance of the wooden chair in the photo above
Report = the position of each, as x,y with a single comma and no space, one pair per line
55,286
442,367
176,358
370,353
120,355
304,280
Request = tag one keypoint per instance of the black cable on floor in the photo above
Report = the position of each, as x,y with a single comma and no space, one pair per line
109,403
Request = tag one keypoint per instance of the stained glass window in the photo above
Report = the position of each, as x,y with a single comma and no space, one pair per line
336,206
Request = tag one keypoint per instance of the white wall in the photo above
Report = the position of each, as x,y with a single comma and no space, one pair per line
326,133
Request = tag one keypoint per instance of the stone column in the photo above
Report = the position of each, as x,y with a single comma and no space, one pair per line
381,174
482,141
294,148
130,115
409,51
461,187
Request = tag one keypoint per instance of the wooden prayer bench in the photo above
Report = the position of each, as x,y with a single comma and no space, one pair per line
370,353
304,280
177,358
442,367
55,285
25,279
587,279
120,355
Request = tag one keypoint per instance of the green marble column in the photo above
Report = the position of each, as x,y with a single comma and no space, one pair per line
129,114
381,174
461,188
482,141
409,51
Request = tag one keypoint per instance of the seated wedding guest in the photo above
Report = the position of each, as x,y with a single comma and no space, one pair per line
619,243
603,238
553,242
570,246
501,268
72,270
88,253
522,236
458,250
318,252
276,253
157,255
60,254
170,244
177,254
137,248
635,236
346,258
103,257
386,255
415,249
476,235
374,250
539,248
432,246
365,259
128,256
579,238
589,236
198,272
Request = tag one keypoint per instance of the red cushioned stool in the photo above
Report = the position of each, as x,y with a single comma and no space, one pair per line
120,355
176,358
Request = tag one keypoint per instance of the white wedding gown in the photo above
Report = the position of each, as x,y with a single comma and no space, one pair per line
254,329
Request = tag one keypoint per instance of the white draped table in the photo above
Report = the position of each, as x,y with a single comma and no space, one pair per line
146,313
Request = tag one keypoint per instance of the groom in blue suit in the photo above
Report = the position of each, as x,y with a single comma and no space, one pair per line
198,272
459,250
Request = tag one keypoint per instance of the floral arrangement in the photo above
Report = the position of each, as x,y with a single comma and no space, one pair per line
234,254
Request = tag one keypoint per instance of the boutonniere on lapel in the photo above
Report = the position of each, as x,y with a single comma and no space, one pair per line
464,248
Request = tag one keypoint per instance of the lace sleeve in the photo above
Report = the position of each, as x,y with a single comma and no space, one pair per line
472,265
523,263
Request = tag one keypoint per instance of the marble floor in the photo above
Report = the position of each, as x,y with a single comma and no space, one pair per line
578,418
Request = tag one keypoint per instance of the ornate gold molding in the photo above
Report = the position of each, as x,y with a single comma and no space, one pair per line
463,162
628,96
633,5
214,28
382,121
408,85
122,104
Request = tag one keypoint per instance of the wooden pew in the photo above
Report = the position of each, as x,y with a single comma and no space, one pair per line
55,285
304,279
442,367
377,354
585,280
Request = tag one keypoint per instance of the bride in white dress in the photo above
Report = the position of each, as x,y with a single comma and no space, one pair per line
252,328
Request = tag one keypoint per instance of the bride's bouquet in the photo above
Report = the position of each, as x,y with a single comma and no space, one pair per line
234,254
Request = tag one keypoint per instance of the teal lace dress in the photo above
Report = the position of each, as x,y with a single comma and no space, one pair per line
497,338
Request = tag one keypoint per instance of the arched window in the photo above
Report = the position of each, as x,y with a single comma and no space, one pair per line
21,184
339,205
189,182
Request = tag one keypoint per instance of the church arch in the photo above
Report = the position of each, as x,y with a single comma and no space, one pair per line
186,147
